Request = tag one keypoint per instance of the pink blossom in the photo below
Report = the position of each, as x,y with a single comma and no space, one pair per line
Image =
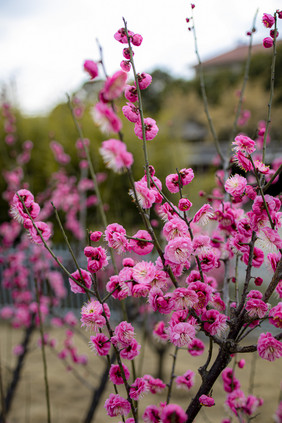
159,331
137,40
184,298
155,385
97,258
209,259
214,322
144,272
267,42
160,302
152,414
178,250
114,86
270,239
174,228
130,93
100,344
120,35
236,400
115,155
203,291
95,236
184,204
141,247
116,405
273,33
268,347
254,293
145,196
118,289
125,65
131,112
235,185
91,67
124,334
92,315
173,413
196,347
138,388
261,167
144,80
115,374
17,209
115,235
206,401
268,20
131,351
275,315
186,381
181,334
242,161
244,144
230,382
256,308
41,227
203,215
86,280
151,129
258,257
106,118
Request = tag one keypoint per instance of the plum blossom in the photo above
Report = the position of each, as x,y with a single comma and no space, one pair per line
173,413
181,334
92,315
206,401
91,67
117,405
203,215
114,85
186,381
178,250
268,347
144,272
151,129
139,246
106,118
275,315
138,388
100,344
115,374
235,185
196,347
115,155
145,196
214,322
174,228
83,277
97,258
244,144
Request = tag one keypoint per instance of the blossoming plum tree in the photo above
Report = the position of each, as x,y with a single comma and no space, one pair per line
242,223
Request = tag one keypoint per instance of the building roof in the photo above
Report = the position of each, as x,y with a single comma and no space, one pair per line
237,55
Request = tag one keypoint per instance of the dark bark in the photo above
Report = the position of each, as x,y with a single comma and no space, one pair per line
17,372
97,393
221,361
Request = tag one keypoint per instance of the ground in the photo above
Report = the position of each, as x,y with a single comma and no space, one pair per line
70,398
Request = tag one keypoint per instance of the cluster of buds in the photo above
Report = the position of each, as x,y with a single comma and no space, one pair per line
135,39
268,21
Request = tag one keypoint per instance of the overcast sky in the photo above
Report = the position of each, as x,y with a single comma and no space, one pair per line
43,43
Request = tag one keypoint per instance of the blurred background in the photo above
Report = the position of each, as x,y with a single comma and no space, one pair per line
44,45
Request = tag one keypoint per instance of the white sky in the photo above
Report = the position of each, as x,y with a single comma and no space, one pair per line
43,43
